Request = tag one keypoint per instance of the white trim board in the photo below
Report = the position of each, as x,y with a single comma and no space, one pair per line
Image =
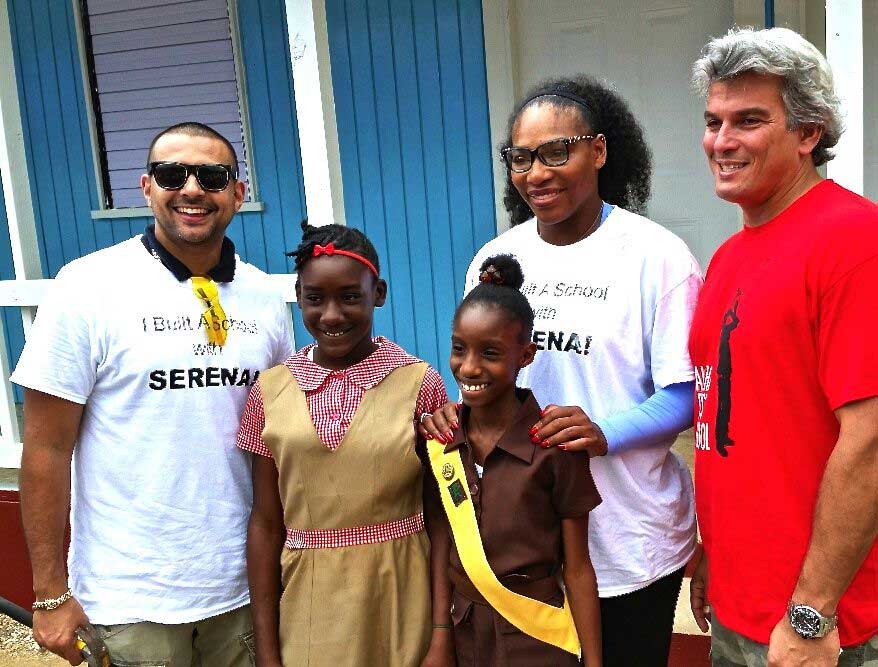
499,66
10,455
844,51
315,110
16,182
146,211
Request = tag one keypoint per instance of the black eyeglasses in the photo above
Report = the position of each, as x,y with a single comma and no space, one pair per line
552,153
173,175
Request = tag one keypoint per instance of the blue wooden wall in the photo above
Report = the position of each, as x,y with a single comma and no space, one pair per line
58,145
11,316
411,105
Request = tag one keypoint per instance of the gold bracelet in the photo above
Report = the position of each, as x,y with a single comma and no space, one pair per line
443,626
52,603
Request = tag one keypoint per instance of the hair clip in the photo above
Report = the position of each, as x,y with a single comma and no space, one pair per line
491,275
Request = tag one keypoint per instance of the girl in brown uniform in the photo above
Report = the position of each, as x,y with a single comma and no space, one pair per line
530,503
337,556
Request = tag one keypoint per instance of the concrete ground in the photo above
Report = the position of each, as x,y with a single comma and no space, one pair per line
17,649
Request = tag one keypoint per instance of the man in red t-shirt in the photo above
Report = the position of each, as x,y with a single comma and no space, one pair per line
786,405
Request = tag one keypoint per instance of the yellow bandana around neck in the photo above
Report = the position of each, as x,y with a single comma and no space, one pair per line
214,316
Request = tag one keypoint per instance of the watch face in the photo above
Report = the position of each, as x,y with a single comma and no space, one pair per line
805,621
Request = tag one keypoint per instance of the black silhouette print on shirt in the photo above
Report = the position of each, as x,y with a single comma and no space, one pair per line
724,379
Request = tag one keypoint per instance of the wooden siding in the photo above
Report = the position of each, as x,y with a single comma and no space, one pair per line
58,145
11,316
412,112
56,134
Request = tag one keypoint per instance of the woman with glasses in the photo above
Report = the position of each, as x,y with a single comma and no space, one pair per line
613,294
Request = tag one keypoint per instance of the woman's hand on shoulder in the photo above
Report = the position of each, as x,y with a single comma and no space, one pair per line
441,651
441,424
569,428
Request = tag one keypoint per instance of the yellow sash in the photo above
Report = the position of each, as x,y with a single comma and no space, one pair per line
542,621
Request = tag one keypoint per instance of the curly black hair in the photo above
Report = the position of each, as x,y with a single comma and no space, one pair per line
343,238
500,281
625,178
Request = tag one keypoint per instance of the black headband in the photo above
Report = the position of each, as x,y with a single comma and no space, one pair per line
568,96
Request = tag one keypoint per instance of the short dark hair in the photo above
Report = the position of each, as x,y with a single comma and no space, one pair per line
624,180
193,129
500,281
343,238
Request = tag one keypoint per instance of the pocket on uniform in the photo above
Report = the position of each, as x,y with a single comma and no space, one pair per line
248,641
115,634
110,631
460,609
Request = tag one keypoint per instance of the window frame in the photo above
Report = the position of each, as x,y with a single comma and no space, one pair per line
97,150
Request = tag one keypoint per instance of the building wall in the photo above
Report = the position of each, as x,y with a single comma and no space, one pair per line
60,164
11,316
412,113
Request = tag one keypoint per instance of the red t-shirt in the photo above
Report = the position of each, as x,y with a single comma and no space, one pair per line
784,333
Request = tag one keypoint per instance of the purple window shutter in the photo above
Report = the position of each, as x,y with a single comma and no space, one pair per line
157,63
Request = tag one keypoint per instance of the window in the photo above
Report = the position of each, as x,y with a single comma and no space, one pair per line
151,64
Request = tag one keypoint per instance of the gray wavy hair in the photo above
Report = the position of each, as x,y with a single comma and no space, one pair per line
808,91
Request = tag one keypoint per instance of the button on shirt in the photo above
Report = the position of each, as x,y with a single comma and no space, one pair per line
524,493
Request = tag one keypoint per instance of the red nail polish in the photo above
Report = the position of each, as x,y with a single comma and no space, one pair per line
544,443
449,436
564,447
534,439
533,429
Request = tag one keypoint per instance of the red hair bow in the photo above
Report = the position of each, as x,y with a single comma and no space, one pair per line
330,249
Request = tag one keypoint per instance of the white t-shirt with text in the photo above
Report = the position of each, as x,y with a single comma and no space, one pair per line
612,316
160,493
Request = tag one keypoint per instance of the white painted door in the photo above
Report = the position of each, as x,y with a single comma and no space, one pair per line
646,48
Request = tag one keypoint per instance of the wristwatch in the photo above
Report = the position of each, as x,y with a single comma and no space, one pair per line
808,622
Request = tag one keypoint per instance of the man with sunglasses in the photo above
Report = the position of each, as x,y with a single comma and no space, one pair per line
136,370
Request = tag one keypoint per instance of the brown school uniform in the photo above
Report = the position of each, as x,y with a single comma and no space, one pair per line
523,495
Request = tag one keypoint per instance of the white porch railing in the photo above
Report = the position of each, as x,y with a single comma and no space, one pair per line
27,295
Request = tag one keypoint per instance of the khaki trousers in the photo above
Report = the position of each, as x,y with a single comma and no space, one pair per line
220,641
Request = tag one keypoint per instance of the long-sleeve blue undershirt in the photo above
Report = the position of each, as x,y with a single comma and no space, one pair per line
659,418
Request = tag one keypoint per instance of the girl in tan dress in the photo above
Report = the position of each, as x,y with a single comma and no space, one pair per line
337,555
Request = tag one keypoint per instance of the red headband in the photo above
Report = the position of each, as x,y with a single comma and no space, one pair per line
330,249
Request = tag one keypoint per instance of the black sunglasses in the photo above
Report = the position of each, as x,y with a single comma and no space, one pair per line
552,153
173,175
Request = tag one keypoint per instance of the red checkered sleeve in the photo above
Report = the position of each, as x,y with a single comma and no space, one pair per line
432,395
252,423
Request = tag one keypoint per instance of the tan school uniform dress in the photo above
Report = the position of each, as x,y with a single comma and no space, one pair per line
367,604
